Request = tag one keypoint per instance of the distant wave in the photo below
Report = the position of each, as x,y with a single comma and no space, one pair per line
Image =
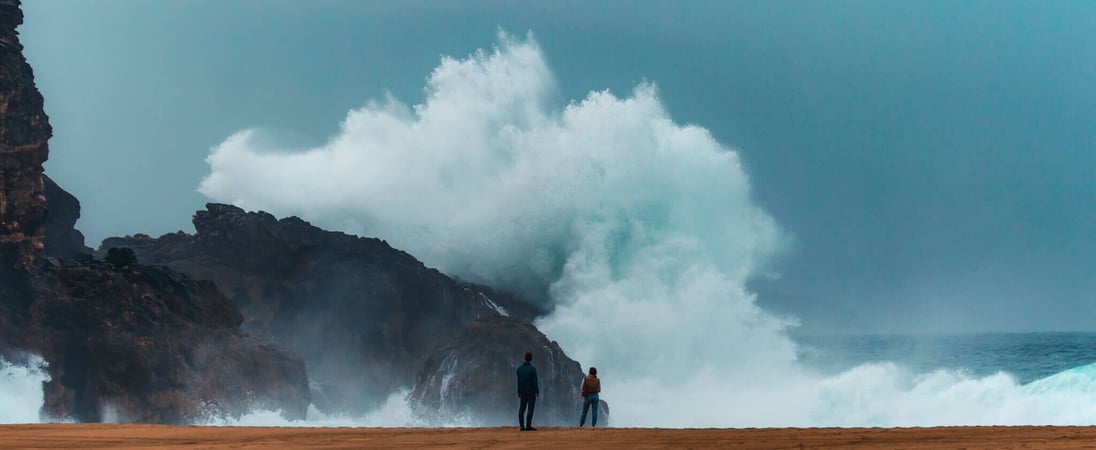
1080,381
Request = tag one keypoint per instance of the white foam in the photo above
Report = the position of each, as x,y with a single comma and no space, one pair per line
491,304
395,412
21,390
640,231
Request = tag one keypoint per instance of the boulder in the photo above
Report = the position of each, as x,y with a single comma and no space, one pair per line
472,379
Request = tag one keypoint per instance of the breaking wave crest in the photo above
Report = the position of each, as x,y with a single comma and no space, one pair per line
638,232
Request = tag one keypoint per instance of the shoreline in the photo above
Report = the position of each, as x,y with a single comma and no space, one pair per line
132,436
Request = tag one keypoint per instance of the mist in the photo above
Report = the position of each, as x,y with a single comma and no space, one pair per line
21,390
639,233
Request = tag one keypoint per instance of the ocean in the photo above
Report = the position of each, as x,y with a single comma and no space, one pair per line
835,380
1025,356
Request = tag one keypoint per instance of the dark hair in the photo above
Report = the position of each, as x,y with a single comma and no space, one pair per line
593,371
528,356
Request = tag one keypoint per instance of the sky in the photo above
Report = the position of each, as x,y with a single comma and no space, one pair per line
933,164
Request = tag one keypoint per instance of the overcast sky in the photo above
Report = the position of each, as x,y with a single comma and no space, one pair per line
934,162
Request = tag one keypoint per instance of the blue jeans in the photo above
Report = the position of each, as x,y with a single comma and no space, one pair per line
589,399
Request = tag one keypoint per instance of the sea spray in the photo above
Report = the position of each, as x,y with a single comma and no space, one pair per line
638,232
21,390
394,412
885,394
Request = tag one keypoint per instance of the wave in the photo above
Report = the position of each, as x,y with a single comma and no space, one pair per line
395,412
1080,380
870,395
21,390
638,233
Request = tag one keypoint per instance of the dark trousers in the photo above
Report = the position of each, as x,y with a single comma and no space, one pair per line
525,419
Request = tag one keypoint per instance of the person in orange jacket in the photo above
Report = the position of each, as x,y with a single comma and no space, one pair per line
591,387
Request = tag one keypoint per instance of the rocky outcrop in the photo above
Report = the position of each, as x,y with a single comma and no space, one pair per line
363,314
132,342
146,344
472,379
122,342
62,239
24,132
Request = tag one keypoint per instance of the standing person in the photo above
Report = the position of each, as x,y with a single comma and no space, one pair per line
591,387
528,391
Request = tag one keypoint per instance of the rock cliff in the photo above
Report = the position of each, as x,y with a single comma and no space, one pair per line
145,344
128,337
24,132
62,239
122,341
364,315
472,378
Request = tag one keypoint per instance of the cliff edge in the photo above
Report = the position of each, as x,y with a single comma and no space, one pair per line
123,342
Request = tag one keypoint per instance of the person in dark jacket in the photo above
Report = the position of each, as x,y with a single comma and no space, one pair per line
528,391
591,387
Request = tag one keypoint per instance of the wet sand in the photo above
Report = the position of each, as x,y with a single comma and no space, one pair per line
101,436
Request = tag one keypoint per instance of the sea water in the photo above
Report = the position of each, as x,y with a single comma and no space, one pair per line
970,379
1026,356
847,380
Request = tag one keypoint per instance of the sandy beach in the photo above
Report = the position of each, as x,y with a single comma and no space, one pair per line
96,436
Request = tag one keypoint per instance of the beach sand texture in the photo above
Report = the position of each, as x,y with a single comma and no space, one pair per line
101,436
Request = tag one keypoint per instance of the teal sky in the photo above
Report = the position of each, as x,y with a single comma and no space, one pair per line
935,162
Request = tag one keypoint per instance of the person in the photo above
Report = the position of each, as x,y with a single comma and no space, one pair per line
528,391
591,387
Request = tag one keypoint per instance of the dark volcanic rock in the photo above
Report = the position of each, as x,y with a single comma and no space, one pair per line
473,378
122,341
146,344
24,131
362,314
62,239
120,257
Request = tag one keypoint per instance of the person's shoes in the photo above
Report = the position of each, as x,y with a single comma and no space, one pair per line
530,429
